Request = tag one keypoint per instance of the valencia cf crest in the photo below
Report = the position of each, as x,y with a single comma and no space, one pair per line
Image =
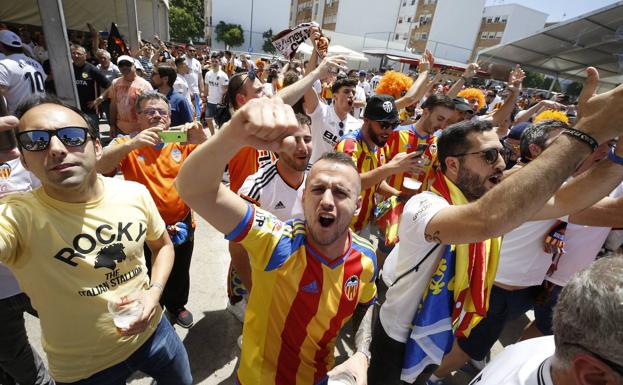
433,149
85,75
5,171
176,155
351,286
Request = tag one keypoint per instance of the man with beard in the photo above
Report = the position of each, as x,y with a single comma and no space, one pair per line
277,188
365,147
144,158
310,276
466,214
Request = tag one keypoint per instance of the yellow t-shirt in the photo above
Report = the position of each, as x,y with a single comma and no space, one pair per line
71,258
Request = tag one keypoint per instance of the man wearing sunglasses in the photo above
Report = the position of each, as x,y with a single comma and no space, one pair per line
76,243
124,91
586,346
144,158
365,147
484,207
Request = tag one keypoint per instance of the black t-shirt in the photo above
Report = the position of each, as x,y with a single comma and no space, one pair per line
88,80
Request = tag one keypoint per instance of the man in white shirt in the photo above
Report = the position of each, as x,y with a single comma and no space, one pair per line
586,347
20,75
194,80
359,103
363,83
374,82
277,188
469,154
216,82
17,358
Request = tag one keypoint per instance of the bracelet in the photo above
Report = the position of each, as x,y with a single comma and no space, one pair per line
614,157
586,138
156,284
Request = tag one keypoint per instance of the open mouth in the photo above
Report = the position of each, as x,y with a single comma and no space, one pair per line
496,178
326,220
350,103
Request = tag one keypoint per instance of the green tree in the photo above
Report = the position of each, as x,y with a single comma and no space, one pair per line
186,20
533,80
230,34
547,83
268,46
574,89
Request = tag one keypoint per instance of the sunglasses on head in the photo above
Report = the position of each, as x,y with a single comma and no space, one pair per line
490,155
235,85
39,140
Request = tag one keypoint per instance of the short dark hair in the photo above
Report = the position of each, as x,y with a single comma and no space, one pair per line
338,157
538,134
438,100
454,139
35,100
169,71
343,82
180,60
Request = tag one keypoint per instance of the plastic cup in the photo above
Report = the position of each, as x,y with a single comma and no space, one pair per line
411,183
342,379
125,310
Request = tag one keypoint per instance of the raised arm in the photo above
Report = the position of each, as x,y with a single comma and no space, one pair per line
470,72
294,92
514,86
418,89
520,197
260,123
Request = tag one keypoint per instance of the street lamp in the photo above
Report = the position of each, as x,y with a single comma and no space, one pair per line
251,31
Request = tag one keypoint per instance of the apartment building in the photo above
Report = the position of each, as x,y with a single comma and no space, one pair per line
455,30
501,24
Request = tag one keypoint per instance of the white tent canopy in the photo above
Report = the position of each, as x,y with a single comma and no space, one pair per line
350,55
566,49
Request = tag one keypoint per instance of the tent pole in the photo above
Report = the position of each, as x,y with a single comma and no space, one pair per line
55,32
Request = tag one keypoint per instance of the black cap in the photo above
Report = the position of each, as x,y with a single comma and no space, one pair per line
381,108
462,105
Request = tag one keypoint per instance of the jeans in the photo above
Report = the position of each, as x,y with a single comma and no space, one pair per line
17,358
162,357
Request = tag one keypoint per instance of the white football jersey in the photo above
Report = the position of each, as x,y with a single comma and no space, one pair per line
269,191
22,76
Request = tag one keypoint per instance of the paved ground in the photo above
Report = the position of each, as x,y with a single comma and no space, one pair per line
211,342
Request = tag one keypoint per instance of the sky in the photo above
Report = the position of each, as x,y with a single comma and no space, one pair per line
558,10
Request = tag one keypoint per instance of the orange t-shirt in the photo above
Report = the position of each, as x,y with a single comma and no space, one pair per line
246,162
157,169
124,95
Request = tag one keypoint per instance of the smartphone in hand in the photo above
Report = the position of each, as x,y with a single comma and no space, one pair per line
173,136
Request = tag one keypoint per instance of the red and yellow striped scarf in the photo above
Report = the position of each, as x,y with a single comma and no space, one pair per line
476,266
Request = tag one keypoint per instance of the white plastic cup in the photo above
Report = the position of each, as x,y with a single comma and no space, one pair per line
342,379
125,310
411,183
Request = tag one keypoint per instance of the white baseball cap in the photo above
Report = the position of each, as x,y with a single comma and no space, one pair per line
10,38
126,58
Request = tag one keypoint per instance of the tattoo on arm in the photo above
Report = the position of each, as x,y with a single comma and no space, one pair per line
434,237
363,322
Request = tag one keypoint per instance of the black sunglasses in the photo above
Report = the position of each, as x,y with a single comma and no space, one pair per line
491,154
39,140
388,125
613,365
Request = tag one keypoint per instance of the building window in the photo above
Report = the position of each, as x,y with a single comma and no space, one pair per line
484,19
412,2
409,19
404,36
396,37
504,19
489,20
400,20
498,35
404,3
491,35
483,36
497,19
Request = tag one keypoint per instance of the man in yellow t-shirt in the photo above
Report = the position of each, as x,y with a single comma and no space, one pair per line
76,243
